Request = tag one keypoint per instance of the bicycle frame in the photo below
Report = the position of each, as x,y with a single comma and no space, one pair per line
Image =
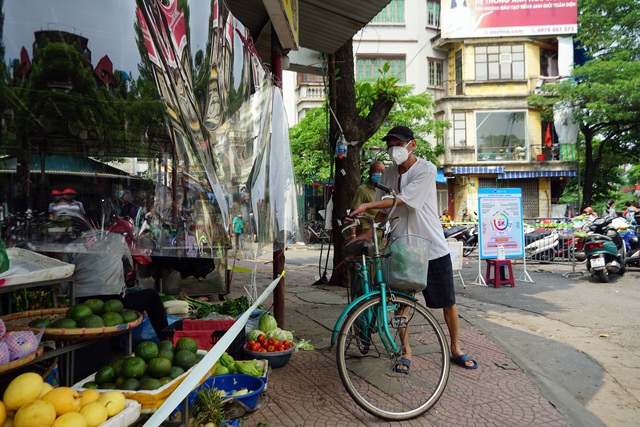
380,287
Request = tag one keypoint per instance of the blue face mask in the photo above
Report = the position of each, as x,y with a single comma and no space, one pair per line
375,177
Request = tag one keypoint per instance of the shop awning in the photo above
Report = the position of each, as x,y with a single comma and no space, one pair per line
468,170
535,174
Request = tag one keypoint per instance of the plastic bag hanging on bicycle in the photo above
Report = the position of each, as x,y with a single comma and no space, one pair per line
406,263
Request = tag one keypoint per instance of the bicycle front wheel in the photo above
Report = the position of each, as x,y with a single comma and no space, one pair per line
370,378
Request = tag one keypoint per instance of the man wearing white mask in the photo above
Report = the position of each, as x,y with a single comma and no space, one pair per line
414,181
365,193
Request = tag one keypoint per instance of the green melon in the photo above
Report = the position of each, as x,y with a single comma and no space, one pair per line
91,321
112,318
184,359
130,384
166,345
78,311
175,372
147,350
95,305
159,367
113,305
186,343
129,316
106,374
150,384
167,354
40,323
64,323
133,367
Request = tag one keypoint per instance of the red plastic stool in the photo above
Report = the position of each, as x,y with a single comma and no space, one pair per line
499,278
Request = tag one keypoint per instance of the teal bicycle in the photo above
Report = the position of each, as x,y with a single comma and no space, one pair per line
384,326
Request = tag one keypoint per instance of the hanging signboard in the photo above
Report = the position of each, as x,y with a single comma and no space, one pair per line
500,219
502,18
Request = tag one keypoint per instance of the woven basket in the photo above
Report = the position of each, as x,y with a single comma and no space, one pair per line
20,321
14,364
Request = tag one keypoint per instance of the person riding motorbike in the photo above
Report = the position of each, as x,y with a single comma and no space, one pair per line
589,213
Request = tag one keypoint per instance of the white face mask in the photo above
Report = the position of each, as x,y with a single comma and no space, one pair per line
399,155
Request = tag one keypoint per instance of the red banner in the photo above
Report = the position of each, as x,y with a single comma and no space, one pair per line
500,18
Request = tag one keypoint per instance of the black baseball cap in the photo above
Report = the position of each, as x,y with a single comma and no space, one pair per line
400,132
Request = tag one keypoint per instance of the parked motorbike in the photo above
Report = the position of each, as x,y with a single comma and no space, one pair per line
467,234
631,242
540,243
605,250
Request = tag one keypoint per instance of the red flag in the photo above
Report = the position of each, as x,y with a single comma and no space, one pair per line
548,139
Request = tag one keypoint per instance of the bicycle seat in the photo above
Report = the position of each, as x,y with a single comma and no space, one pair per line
361,247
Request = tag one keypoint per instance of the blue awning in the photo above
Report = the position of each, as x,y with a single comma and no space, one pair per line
466,170
440,177
535,174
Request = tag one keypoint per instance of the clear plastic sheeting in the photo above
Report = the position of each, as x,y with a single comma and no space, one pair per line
153,113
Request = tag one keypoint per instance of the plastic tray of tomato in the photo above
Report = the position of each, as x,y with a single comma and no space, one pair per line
268,345
276,352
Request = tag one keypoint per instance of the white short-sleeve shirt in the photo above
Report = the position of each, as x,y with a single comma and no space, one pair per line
419,215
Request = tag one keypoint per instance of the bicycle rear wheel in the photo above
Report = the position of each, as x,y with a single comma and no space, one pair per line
370,378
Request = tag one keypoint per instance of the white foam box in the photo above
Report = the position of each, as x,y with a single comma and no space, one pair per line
127,417
149,399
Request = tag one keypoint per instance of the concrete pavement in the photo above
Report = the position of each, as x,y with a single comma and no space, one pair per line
503,391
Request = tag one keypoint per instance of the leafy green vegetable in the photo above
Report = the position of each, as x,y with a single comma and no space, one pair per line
304,345
253,335
280,334
232,307
267,323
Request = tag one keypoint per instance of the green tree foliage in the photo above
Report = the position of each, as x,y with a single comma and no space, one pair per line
605,91
310,147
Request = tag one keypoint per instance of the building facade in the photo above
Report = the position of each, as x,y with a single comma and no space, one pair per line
481,86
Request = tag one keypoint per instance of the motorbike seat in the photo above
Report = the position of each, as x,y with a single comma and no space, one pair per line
536,235
453,230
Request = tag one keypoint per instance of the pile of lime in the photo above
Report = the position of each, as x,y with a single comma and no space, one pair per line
150,367
93,313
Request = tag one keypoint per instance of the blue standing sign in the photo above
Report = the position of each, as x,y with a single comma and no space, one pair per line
500,220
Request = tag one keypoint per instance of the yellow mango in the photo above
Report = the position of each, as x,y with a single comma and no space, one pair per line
23,389
38,413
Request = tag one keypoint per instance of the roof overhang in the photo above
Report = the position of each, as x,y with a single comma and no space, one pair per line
324,25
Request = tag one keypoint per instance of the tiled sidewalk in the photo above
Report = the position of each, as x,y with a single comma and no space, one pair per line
308,390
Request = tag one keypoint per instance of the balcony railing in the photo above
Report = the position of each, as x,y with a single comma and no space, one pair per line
449,88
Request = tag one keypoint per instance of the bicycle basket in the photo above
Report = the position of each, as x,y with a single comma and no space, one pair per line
406,264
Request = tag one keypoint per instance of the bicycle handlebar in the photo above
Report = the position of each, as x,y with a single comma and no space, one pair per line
382,224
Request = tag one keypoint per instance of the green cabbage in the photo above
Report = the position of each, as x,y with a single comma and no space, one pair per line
253,335
280,335
267,323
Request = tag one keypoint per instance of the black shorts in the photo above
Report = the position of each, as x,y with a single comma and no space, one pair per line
439,292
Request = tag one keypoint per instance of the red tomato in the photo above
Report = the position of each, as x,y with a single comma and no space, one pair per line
270,341
279,347
287,344
262,350
255,347
250,343
261,338
271,349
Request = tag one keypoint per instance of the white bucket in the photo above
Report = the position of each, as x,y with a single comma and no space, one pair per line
500,252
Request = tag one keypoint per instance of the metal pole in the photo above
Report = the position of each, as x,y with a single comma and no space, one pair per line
278,246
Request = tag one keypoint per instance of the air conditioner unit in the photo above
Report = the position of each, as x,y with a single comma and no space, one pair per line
505,58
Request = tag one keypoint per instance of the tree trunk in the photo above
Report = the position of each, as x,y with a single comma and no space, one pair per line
357,130
589,169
